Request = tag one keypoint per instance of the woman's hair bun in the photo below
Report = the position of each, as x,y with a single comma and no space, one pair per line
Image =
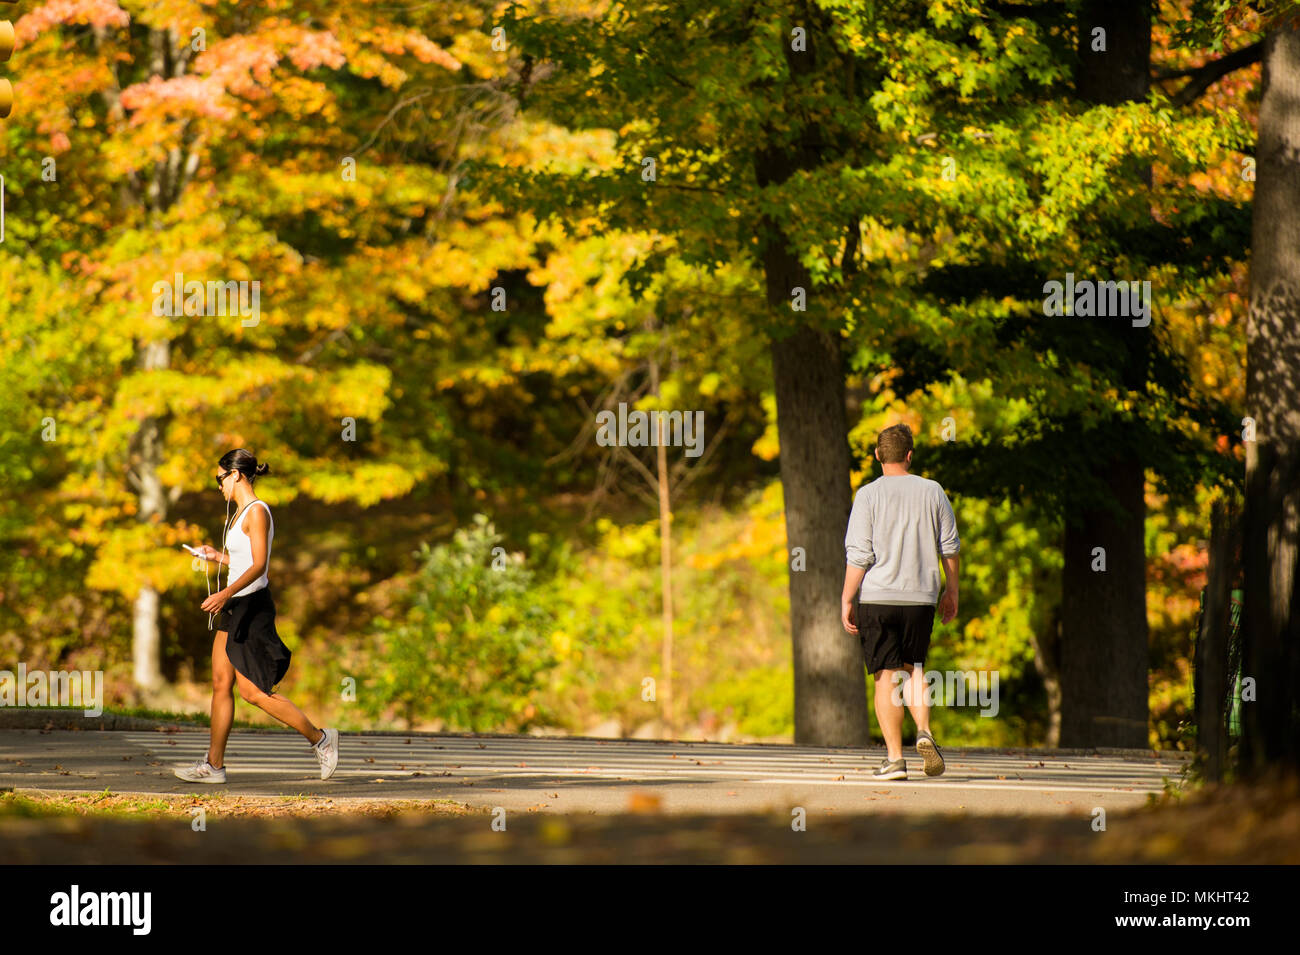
262,469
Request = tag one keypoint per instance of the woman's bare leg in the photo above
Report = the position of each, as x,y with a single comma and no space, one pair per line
223,700
279,707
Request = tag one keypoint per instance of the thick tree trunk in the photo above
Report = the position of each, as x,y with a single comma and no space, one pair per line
830,698
1103,620
830,695
1115,64
1271,615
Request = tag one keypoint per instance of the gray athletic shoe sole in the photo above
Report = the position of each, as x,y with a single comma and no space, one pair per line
929,750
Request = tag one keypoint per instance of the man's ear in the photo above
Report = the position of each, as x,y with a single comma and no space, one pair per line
877,453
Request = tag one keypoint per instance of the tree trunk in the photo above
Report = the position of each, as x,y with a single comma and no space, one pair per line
1211,664
1120,72
161,190
830,698
1271,615
830,693
1103,620
146,458
144,640
1047,649
665,557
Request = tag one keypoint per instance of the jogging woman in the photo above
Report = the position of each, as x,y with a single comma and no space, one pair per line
247,650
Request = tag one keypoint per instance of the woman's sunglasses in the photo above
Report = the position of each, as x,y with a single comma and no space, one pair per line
222,476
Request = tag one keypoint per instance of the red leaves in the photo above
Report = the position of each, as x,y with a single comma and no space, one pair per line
96,13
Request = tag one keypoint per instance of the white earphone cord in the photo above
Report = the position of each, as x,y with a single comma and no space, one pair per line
206,579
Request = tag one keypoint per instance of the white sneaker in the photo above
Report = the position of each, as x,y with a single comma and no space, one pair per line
201,772
327,751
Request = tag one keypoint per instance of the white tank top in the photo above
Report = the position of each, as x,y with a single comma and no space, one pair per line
241,550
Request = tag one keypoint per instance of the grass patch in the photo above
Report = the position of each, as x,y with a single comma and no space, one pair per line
107,805
145,713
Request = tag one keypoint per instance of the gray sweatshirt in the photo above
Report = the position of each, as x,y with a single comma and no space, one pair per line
899,525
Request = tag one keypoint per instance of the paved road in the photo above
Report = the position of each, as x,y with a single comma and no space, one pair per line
551,774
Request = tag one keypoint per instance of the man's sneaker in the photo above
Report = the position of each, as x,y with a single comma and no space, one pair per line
327,751
201,772
887,770
929,750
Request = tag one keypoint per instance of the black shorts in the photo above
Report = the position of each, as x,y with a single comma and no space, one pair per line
894,634
253,646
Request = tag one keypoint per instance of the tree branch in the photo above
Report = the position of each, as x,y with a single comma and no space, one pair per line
849,261
667,72
401,105
314,350
676,487
651,478
1203,77
610,395
684,188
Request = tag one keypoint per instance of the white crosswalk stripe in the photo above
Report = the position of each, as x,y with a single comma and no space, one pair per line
632,760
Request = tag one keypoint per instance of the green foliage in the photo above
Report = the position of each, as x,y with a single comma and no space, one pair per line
374,292
761,700
474,644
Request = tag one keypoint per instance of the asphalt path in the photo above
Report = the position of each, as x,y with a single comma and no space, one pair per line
585,775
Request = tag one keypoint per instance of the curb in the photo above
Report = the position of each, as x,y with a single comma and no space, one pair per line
37,718
42,718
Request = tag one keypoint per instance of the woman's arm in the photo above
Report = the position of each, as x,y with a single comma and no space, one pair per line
210,553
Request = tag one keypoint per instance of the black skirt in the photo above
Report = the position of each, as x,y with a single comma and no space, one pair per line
252,644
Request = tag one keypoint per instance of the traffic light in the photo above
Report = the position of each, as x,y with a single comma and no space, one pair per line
6,48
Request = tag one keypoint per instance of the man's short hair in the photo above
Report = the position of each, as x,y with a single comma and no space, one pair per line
893,444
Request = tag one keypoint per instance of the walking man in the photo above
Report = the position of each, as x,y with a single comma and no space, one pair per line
900,527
